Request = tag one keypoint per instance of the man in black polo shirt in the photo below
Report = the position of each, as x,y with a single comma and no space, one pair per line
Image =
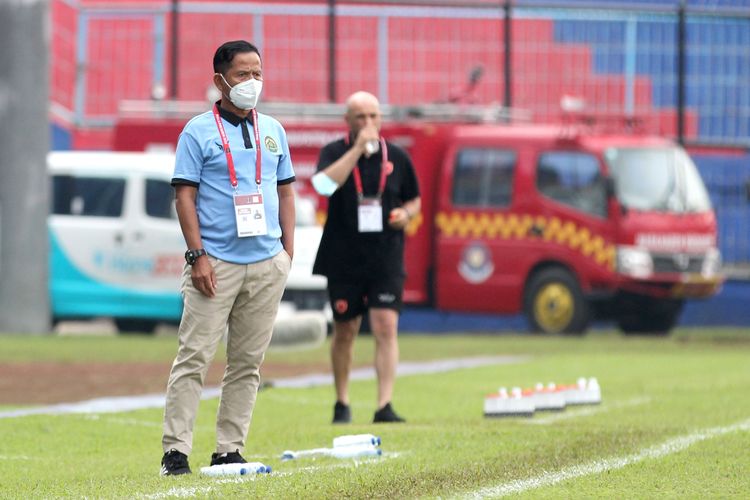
373,195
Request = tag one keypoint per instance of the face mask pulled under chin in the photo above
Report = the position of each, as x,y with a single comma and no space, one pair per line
245,94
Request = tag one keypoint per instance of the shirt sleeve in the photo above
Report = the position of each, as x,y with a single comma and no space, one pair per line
326,157
285,170
410,185
188,160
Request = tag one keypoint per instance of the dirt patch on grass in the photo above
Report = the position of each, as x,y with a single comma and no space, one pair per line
41,383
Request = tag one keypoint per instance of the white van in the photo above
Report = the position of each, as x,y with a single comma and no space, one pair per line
116,249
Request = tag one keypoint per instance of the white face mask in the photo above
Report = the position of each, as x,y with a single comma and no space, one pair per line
245,94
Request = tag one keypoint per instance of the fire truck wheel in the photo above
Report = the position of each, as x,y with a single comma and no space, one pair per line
554,303
650,317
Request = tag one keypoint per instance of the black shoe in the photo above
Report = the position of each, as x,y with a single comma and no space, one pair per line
232,457
386,414
341,413
174,463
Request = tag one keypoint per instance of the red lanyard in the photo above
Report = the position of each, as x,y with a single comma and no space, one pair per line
383,172
228,152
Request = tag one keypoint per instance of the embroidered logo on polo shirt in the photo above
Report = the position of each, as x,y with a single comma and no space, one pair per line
219,145
271,144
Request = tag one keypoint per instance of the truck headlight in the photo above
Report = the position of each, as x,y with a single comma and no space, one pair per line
711,263
634,261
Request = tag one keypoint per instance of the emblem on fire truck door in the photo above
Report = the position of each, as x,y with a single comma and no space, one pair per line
476,263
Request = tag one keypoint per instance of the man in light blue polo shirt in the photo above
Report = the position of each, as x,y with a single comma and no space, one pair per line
235,203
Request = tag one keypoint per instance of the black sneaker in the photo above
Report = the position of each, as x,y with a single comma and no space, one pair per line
386,414
232,457
341,413
174,463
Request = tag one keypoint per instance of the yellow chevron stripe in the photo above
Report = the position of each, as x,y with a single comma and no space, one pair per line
518,226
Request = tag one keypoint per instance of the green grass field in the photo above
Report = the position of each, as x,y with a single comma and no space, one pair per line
674,423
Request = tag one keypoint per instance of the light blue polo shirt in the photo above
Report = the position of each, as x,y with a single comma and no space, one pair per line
200,161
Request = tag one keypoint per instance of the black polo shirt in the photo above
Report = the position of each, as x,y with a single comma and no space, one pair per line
345,254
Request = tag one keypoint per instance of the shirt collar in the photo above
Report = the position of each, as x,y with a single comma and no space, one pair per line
231,117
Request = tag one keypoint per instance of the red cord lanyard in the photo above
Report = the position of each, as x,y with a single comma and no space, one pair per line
228,152
383,172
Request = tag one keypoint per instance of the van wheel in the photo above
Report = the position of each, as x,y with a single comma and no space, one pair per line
135,325
649,316
554,303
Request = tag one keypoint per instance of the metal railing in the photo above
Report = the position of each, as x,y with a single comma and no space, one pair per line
683,65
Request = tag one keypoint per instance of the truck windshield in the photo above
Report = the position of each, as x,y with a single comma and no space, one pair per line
663,179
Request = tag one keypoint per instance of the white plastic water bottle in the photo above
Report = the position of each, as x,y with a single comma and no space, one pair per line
236,469
356,451
312,453
372,147
356,440
593,391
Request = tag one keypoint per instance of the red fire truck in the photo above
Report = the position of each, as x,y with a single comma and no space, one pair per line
566,223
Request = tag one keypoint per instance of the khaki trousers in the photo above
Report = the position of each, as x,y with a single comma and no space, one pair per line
244,307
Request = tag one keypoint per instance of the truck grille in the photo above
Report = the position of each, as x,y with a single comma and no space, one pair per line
678,263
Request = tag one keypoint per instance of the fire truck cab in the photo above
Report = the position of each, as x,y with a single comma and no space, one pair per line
563,225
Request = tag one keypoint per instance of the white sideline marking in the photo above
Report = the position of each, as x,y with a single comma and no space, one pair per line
298,400
345,463
188,492
123,421
674,445
584,412
130,403
404,369
102,405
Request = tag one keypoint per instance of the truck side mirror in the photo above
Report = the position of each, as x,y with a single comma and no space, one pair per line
609,187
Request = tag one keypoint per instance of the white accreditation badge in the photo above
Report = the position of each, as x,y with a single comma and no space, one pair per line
370,215
250,215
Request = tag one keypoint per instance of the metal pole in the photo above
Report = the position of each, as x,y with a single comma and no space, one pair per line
24,187
507,60
331,50
681,70
174,48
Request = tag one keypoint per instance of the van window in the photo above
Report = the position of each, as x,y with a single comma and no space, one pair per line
484,177
573,179
87,196
160,199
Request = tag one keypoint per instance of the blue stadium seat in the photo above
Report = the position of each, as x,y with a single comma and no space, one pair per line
714,74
